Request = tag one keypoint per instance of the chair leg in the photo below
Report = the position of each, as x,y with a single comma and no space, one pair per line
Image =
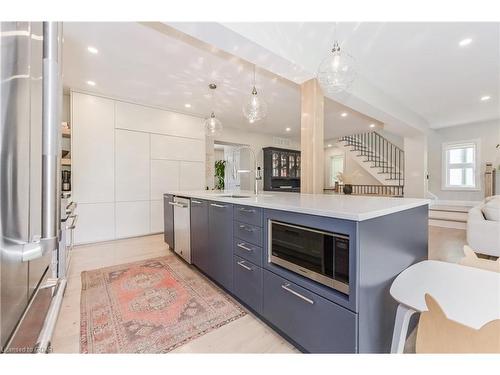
403,315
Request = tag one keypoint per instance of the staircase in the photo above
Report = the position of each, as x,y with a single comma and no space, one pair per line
381,158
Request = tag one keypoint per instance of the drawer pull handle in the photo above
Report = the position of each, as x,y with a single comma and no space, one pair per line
242,264
242,246
246,210
193,201
244,227
217,205
308,300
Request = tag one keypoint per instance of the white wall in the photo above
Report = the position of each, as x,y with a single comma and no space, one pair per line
359,176
487,132
125,157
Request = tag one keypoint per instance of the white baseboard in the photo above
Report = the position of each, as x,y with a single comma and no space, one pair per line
447,224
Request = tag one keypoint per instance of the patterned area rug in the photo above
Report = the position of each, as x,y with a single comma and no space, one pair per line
151,306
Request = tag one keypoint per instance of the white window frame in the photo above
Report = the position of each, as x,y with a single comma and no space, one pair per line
476,165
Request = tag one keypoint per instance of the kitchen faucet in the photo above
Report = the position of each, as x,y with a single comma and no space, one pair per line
256,170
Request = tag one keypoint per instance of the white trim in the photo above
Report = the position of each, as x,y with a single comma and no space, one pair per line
477,167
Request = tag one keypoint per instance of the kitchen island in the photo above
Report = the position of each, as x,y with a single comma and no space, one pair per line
316,268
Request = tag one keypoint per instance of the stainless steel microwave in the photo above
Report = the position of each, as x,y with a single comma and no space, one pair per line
316,254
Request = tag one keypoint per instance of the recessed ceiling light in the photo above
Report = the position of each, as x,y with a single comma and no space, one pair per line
465,42
91,83
329,145
187,105
372,125
343,114
288,129
485,98
92,50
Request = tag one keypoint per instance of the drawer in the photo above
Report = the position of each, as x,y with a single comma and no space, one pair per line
247,232
247,284
248,214
248,251
314,323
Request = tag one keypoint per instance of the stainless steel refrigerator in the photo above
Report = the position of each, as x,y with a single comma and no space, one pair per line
29,184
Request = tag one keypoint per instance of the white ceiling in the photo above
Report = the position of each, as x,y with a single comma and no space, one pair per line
419,66
411,68
165,68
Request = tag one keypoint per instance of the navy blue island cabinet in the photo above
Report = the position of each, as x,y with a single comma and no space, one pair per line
230,243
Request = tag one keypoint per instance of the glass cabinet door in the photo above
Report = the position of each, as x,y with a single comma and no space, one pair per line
291,165
297,166
276,164
284,165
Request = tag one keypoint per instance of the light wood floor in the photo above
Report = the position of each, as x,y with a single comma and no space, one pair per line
244,335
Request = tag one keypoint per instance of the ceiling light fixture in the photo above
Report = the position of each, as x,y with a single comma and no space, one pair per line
337,71
465,42
288,129
213,126
372,125
93,50
329,145
485,98
187,105
256,108
343,114
91,83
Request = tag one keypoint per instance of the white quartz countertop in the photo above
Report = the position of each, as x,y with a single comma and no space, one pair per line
350,207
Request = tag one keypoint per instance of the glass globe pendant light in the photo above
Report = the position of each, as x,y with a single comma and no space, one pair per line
337,71
213,126
255,109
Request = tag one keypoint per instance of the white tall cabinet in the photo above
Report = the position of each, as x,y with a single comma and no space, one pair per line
125,156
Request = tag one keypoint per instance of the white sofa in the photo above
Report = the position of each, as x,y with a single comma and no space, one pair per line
483,227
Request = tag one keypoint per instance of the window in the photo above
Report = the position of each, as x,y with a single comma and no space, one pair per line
460,165
336,166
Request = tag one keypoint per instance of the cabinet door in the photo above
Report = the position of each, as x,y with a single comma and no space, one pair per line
316,324
132,166
200,249
168,220
132,219
221,242
93,153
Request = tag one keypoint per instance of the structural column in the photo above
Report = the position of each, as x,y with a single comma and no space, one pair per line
415,166
312,138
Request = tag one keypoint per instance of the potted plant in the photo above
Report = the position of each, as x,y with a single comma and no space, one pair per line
220,171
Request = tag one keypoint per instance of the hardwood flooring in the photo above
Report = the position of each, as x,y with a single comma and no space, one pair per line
245,335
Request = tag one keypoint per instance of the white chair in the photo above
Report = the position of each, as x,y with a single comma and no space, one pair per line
468,295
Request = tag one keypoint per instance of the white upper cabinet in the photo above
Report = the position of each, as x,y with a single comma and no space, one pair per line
132,166
191,175
175,148
151,120
164,177
92,152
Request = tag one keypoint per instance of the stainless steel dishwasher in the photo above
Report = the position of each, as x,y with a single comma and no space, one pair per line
182,228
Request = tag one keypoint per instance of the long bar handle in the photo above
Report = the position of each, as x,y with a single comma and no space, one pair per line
242,246
242,264
304,298
218,205
246,210
244,227
177,204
